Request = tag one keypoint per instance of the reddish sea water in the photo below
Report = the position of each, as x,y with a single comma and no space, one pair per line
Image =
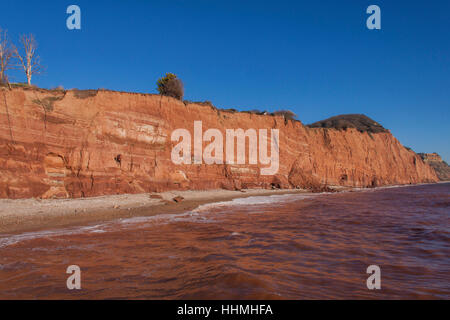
278,247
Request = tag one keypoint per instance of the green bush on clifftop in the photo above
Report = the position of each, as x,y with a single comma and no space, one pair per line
171,86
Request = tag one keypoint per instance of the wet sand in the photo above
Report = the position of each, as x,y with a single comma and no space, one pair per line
25,215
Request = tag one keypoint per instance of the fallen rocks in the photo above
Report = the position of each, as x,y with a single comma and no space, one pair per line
178,199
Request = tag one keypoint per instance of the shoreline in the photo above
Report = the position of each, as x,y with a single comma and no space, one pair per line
29,215
33,214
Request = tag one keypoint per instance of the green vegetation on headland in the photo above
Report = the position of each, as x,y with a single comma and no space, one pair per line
358,121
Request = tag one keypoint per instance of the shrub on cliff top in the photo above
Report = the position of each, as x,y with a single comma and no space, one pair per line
171,86
84,94
202,103
287,114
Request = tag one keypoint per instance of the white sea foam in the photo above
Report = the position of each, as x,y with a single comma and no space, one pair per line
255,201
98,231
12,239
7,240
201,214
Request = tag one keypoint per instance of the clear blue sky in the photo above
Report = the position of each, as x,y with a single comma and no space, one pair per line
316,58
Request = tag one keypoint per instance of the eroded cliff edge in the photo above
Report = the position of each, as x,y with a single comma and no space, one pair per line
435,161
67,144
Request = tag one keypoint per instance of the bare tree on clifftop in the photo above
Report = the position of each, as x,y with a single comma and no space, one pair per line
28,59
6,56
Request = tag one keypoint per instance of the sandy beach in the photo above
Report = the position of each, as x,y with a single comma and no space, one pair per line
23,215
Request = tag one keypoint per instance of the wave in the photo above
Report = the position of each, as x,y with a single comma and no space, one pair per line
195,215
8,240
256,200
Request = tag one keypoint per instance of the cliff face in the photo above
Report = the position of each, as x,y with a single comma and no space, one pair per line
435,161
80,144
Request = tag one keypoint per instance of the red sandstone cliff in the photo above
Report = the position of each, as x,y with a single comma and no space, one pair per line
66,144
435,161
